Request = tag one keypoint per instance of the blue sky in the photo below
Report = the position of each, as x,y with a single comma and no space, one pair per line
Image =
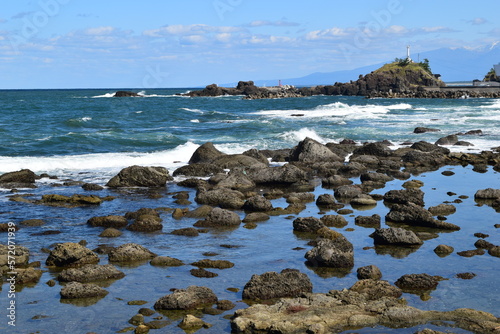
161,43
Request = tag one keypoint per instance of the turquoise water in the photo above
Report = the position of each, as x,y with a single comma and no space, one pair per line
87,135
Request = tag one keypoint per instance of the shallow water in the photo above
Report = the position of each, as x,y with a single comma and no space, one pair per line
268,247
87,135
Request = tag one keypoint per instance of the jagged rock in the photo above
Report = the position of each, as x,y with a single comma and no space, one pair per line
307,224
448,140
417,282
220,218
257,203
108,221
110,233
231,161
186,299
415,215
21,257
27,275
395,236
352,169
202,273
363,199
191,323
254,217
494,251
236,179
405,196
375,177
205,153
225,198
368,221
488,193
335,181
443,250
442,210
199,212
302,197
369,272
138,176
124,93
376,149
334,221
337,253
270,285
348,191
146,223
198,169
75,290
143,211
23,178
424,130
130,252
327,201
374,289
286,174
187,231
309,150
217,264
92,187
166,261
89,273
71,254
71,201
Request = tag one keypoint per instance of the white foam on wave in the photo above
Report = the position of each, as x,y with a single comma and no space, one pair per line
492,105
198,111
99,163
296,136
104,95
337,109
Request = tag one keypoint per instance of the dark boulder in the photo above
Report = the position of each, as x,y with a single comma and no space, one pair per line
307,224
70,254
138,176
124,93
369,272
257,203
448,140
368,221
198,169
488,193
108,221
348,191
146,223
287,174
417,282
186,299
414,215
89,273
289,283
336,253
428,147
24,178
377,149
405,196
76,290
220,218
424,130
205,153
225,198
130,252
395,236
309,150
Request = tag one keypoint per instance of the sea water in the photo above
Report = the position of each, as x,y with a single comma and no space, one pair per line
88,135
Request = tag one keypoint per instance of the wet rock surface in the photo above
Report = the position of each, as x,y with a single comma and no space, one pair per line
270,285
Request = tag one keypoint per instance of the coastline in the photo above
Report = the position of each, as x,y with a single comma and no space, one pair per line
312,163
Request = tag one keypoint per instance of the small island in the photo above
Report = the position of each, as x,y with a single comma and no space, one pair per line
402,78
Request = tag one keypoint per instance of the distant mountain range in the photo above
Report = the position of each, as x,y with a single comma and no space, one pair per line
458,64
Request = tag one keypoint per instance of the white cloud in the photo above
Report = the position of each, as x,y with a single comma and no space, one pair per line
99,31
279,23
478,21
334,32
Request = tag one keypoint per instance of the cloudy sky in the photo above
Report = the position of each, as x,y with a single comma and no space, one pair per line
161,43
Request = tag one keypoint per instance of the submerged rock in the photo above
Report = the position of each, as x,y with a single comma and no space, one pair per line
417,282
24,178
220,218
395,236
270,285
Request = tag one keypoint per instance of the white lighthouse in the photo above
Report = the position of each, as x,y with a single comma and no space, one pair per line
408,58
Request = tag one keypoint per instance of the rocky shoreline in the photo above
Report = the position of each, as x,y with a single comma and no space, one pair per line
249,187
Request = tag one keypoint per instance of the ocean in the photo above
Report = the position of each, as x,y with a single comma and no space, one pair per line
88,135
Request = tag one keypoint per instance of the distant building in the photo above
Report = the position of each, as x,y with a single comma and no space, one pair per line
497,69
